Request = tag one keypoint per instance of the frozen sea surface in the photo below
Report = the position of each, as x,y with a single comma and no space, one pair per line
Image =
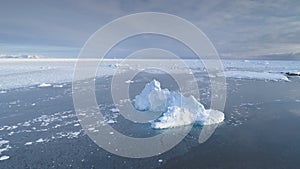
16,73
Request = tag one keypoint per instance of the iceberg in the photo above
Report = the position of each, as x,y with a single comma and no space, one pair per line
152,98
176,109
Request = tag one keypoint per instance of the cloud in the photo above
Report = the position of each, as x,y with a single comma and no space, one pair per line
237,27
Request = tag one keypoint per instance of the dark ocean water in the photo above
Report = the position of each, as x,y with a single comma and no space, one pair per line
39,128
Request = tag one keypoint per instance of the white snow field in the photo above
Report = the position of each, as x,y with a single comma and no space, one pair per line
176,109
16,73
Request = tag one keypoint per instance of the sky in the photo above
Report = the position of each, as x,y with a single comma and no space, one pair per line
237,28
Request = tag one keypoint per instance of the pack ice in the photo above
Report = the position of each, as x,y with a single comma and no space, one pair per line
176,109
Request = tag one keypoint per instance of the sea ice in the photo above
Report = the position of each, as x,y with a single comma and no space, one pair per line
3,91
293,73
177,110
41,140
255,75
111,121
28,143
114,110
4,146
73,134
45,85
58,86
15,74
3,142
129,81
77,124
2,158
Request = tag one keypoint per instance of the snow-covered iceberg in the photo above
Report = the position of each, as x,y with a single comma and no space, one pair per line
176,109
152,98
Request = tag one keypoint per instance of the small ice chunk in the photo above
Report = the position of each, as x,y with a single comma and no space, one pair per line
58,86
45,85
114,65
2,142
77,124
13,102
114,110
4,146
3,91
214,116
73,134
129,81
11,133
26,124
111,121
41,140
28,143
2,158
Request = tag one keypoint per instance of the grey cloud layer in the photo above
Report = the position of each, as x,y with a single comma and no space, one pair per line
236,27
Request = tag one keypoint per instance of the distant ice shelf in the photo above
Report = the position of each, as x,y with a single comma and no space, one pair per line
176,109
19,73
293,73
255,75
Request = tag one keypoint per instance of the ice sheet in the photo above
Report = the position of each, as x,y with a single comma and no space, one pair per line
255,75
16,73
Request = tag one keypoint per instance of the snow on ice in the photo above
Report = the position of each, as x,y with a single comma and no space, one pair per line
177,110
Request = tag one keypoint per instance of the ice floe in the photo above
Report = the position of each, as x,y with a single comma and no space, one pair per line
44,85
114,110
58,86
2,158
41,140
4,146
39,126
28,143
